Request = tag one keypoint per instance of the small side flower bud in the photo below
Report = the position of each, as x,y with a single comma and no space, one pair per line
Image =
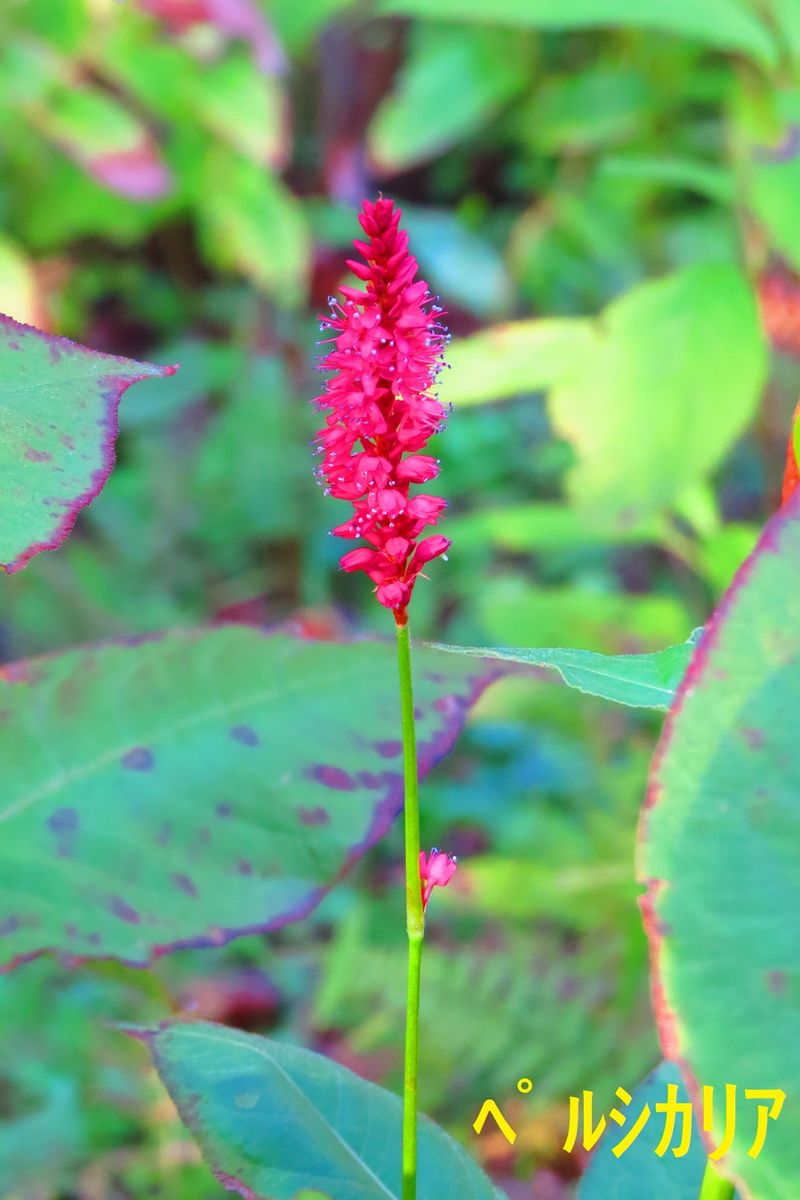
435,870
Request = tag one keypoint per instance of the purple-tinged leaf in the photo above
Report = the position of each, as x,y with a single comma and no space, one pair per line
236,20
720,858
187,789
58,426
106,140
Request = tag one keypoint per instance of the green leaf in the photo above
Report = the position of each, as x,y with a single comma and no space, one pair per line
672,378
582,893
722,23
542,526
786,16
517,614
155,71
667,171
452,257
775,169
20,295
190,788
207,367
58,426
41,1130
242,106
510,360
639,1171
722,552
638,680
720,857
585,109
105,139
86,209
273,1119
65,26
255,430
297,24
255,225
478,70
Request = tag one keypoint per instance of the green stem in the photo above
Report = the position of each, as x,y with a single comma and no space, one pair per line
714,1187
415,922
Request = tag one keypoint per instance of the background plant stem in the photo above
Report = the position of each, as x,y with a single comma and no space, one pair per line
415,922
714,1187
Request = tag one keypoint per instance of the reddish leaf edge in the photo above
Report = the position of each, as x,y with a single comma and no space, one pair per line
113,386
385,813
791,476
147,1036
666,1018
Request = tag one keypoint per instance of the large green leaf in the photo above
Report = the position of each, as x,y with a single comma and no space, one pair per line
721,859
723,23
638,680
254,225
58,426
242,106
238,772
478,69
508,360
670,381
190,788
542,525
651,396
639,1171
274,1119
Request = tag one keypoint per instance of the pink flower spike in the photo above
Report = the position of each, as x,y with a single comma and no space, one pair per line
435,870
387,345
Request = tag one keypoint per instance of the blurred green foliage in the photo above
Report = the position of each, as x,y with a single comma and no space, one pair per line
595,188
